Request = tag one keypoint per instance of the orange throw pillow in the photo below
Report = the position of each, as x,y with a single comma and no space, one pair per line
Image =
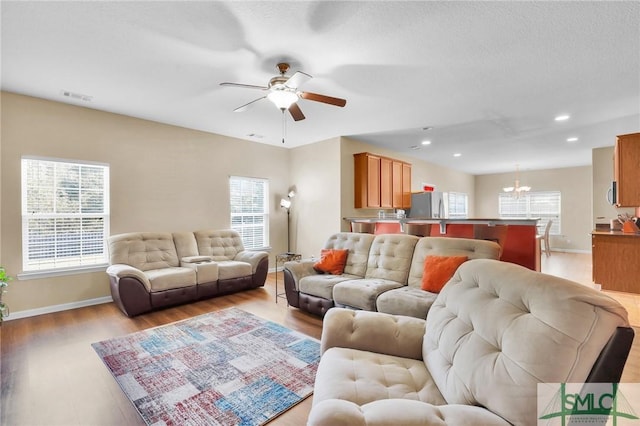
332,261
438,270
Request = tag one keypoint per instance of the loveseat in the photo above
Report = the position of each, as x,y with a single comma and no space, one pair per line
494,332
382,273
152,270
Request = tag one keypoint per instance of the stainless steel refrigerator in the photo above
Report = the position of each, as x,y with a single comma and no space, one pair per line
429,205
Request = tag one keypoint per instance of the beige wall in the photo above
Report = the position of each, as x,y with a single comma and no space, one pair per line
575,185
168,178
315,172
421,171
603,211
163,178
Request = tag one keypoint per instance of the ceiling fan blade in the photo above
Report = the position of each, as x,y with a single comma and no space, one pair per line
296,112
297,80
246,106
244,86
323,98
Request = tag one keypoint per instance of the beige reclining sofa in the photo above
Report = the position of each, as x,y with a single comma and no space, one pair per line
383,273
152,270
494,332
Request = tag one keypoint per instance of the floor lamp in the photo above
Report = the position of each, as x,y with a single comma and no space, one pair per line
285,203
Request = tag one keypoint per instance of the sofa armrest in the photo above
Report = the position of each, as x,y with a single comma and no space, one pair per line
120,270
377,332
252,257
338,412
300,269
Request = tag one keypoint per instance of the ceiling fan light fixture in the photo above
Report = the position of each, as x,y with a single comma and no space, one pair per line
282,99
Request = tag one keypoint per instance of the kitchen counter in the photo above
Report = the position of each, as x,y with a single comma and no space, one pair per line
616,233
444,222
614,256
517,237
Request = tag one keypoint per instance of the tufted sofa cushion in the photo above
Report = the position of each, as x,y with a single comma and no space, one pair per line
444,246
144,250
219,244
495,325
411,299
307,279
390,257
387,269
358,246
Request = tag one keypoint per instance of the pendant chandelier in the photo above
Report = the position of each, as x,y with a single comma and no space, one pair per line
517,189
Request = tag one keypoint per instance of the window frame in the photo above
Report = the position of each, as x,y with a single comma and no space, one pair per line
264,214
529,213
57,265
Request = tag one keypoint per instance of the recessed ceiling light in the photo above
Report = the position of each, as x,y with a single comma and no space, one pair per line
426,142
573,139
457,154
563,117
427,128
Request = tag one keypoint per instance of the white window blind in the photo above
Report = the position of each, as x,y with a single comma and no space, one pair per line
458,205
65,214
545,205
250,210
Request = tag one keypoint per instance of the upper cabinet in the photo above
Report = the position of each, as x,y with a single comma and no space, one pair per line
626,170
381,182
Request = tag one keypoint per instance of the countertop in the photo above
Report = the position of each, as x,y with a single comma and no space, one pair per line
616,233
476,221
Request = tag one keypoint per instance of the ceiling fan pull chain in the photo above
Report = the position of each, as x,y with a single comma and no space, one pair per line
284,126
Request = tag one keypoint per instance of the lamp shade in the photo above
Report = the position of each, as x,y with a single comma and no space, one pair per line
284,203
282,98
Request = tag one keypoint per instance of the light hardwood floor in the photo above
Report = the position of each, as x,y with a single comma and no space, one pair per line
50,375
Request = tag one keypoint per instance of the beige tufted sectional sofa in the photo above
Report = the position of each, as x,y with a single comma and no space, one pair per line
383,273
493,333
152,270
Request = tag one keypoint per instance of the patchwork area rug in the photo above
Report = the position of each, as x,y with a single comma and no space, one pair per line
228,367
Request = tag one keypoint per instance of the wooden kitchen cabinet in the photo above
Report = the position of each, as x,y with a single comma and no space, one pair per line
626,170
401,185
615,261
381,182
406,185
386,183
367,180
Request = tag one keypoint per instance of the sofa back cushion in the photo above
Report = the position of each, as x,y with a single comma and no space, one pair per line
143,250
390,257
219,244
498,329
358,245
186,245
446,246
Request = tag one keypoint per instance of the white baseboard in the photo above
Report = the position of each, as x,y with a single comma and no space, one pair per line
58,308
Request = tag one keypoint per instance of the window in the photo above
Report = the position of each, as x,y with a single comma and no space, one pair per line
248,199
544,205
458,205
65,214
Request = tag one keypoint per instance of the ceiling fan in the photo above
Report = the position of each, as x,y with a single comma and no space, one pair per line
283,92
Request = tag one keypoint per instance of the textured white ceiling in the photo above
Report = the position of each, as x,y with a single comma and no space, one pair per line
489,77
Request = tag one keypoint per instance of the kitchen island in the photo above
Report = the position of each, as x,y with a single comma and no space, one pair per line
517,237
616,260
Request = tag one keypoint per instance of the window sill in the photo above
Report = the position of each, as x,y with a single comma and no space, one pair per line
34,275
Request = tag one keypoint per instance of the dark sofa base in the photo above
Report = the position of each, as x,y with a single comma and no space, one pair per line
306,302
132,297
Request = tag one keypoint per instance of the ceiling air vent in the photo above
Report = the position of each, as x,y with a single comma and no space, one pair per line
77,96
